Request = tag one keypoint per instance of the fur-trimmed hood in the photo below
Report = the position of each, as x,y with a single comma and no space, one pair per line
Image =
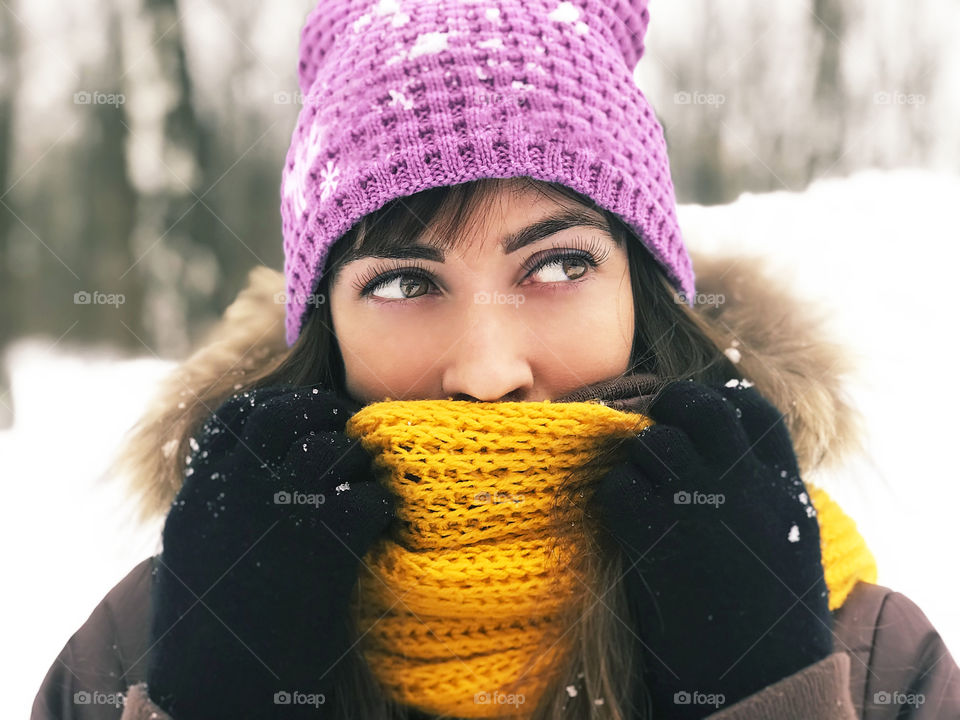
775,338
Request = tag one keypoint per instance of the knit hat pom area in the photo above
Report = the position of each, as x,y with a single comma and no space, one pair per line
467,588
401,96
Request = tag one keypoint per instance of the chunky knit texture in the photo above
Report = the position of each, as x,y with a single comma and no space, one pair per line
403,96
459,599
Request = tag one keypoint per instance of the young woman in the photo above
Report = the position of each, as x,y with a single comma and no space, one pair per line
477,206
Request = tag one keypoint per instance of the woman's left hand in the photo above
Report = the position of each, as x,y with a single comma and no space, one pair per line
722,549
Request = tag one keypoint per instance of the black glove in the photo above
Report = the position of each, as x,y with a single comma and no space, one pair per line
721,549
261,549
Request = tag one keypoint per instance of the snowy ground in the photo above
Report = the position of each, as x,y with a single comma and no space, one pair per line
876,249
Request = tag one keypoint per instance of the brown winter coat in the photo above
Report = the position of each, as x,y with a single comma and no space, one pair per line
888,661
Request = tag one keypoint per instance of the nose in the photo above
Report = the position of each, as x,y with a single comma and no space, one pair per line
490,362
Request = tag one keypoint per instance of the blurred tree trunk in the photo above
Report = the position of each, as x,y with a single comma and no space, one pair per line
828,131
9,83
172,219
98,249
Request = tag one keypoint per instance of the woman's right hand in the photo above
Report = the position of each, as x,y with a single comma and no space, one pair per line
261,549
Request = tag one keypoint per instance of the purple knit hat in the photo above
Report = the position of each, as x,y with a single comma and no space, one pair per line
401,96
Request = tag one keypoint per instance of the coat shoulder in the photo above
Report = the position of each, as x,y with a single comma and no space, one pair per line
900,665
106,655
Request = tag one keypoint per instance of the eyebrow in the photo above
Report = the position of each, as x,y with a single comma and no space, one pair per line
510,243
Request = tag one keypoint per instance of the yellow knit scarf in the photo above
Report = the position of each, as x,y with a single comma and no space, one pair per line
458,606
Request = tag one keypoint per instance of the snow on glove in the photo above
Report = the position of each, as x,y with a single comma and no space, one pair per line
721,547
261,549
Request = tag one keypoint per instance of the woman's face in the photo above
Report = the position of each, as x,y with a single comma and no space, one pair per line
484,322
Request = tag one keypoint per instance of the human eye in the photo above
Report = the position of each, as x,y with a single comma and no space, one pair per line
396,279
588,254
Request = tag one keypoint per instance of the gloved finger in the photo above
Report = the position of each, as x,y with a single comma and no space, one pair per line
664,454
223,427
363,513
319,462
765,426
329,487
277,422
622,500
707,418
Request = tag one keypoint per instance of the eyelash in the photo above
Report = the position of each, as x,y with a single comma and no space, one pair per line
594,252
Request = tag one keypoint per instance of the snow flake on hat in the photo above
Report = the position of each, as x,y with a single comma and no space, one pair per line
382,8
429,44
295,188
329,179
492,14
567,12
361,22
399,97
491,44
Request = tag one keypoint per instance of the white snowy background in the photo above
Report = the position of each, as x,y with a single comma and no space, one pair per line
875,248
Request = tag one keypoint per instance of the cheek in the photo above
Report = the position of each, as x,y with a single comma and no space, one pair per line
591,337
384,354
